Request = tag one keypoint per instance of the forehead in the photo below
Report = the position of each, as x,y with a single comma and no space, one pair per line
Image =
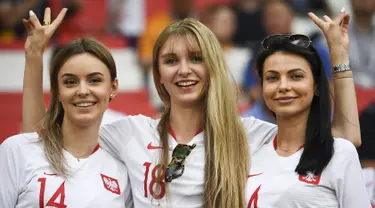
84,64
180,44
283,62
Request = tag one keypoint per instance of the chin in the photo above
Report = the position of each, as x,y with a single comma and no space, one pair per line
190,100
86,120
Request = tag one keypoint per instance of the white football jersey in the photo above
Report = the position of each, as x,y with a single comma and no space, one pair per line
369,178
136,142
27,179
274,183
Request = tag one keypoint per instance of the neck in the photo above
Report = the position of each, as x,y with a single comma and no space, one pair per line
291,132
185,122
80,141
363,23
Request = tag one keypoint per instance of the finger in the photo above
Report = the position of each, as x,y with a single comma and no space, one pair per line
27,25
47,16
339,18
327,19
316,20
345,21
34,19
59,19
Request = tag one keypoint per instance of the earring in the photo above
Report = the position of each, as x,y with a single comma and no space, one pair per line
110,98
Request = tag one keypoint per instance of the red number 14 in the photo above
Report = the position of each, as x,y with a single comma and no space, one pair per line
60,192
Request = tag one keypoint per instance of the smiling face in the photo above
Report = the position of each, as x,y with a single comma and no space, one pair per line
288,84
182,71
84,89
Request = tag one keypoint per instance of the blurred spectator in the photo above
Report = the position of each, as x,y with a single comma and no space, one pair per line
223,23
127,17
250,27
304,6
334,6
11,14
278,17
362,43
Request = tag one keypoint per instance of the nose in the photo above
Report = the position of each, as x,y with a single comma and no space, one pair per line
184,69
83,90
284,85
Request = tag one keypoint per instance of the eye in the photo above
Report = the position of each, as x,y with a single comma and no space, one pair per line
70,82
197,59
271,77
170,61
95,80
297,76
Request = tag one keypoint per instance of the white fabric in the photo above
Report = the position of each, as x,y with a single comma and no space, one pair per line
274,183
27,179
133,140
369,178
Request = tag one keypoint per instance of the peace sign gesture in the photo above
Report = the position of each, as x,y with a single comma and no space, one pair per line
38,34
336,34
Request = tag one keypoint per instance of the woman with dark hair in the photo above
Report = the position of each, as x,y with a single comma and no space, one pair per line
304,165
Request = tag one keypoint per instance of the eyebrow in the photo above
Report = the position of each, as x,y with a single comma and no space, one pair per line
289,71
168,55
89,75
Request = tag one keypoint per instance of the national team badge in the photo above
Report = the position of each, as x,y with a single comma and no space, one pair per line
111,184
310,178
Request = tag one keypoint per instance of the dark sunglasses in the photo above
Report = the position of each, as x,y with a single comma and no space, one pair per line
176,167
297,40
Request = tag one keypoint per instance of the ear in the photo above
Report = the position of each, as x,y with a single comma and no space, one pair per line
114,88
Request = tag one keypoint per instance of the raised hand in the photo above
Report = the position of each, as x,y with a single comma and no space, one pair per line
336,34
38,34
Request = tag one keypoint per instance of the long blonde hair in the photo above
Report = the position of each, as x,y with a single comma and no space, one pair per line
50,126
227,159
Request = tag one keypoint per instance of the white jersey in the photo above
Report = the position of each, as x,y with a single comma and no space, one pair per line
274,183
27,179
369,178
135,141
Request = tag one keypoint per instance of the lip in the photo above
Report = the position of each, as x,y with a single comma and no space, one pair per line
189,80
80,102
287,99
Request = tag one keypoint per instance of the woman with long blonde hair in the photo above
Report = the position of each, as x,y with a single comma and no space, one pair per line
62,164
198,153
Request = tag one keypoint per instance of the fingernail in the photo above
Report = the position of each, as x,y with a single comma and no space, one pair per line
343,9
31,13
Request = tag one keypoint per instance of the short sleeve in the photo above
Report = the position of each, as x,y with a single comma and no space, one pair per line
350,187
12,166
258,132
115,137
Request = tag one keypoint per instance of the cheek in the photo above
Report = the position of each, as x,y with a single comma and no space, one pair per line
268,91
166,74
202,72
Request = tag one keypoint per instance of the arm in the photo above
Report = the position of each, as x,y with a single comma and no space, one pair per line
33,108
16,12
345,121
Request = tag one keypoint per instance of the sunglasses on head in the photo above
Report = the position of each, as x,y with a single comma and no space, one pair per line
176,167
297,40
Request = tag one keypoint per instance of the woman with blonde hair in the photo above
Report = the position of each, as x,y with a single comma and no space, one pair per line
197,154
62,164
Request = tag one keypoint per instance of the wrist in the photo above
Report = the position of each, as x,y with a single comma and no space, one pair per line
339,58
33,53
